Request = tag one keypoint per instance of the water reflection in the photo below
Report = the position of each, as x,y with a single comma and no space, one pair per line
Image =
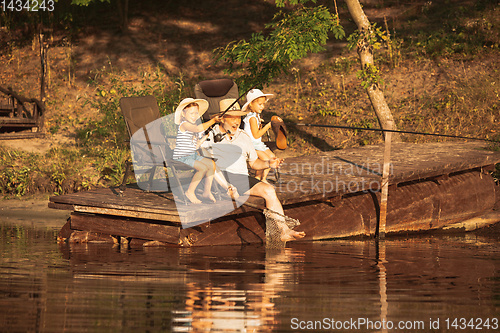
92,287
382,275
246,304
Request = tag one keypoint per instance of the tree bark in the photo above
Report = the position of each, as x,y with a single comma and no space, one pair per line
123,13
365,52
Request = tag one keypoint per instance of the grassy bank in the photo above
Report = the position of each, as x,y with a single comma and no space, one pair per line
440,76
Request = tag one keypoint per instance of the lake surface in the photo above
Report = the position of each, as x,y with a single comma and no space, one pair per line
419,283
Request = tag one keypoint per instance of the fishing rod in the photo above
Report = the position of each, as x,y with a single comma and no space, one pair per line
218,137
392,131
239,97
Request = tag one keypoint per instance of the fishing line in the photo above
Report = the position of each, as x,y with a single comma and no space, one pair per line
392,131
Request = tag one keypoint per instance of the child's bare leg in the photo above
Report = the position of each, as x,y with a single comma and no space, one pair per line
201,170
265,172
209,177
265,156
259,174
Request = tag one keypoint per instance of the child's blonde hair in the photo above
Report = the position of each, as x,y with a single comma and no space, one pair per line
190,105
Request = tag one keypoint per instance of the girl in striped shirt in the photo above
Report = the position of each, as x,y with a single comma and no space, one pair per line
189,138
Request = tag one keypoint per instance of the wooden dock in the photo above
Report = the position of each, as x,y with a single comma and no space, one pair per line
334,194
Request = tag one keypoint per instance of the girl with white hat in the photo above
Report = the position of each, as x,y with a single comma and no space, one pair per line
256,101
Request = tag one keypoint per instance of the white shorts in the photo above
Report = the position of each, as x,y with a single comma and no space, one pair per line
260,146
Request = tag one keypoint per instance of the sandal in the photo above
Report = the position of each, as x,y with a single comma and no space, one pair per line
279,130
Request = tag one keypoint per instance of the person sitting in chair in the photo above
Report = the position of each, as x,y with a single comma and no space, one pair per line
189,138
232,154
256,101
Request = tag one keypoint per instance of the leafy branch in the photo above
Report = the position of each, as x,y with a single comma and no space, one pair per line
374,37
293,35
369,76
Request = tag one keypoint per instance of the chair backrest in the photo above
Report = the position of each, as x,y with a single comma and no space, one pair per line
138,112
214,91
142,117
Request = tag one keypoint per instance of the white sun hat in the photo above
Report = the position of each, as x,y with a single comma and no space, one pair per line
253,95
202,108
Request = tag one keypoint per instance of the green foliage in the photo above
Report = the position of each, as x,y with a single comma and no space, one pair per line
375,36
369,76
86,2
293,35
282,3
109,130
58,178
443,43
15,180
459,31
496,174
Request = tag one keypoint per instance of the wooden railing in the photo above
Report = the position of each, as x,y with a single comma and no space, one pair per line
20,117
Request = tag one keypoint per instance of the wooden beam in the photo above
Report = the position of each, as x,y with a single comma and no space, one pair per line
124,227
127,213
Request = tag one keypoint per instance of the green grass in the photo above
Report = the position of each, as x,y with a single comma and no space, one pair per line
99,159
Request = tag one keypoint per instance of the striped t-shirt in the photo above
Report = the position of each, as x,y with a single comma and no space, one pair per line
185,144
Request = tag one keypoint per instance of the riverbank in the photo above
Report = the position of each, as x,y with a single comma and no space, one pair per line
440,76
32,211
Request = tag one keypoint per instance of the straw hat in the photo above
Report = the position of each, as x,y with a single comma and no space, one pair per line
253,95
234,110
202,108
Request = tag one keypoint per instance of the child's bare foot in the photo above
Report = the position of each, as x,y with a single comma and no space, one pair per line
192,197
233,192
209,196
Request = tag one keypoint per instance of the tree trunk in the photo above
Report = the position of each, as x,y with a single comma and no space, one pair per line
123,13
365,51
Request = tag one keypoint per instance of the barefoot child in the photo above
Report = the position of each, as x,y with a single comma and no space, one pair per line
189,138
256,101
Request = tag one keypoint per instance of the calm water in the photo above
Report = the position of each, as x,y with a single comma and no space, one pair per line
426,283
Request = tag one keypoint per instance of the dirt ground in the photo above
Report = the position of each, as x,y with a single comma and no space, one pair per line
33,211
177,39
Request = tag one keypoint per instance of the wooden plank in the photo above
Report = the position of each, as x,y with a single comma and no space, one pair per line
241,230
409,162
60,206
127,213
135,200
126,227
140,204
7,121
419,206
14,135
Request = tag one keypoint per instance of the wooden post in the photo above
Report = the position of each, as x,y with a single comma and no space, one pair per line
385,181
42,67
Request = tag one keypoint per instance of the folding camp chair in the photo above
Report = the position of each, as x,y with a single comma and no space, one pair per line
214,91
149,147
